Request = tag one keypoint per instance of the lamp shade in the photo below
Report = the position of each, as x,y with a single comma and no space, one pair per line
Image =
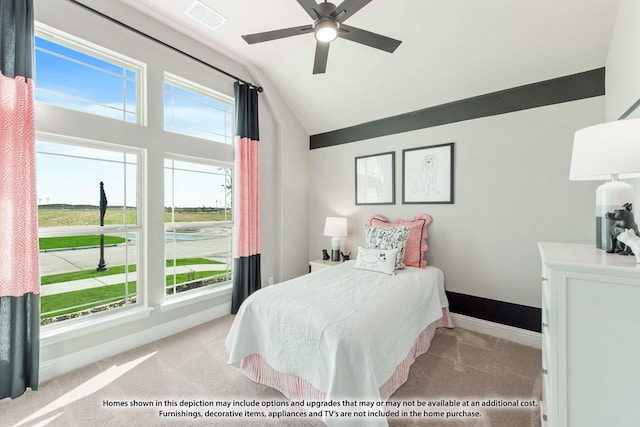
602,151
335,226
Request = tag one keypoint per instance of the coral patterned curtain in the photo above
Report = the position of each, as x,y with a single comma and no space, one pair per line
19,272
246,192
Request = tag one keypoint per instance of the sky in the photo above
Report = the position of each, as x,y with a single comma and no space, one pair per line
71,174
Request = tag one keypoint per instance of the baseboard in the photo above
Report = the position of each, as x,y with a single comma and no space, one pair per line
520,336
501,312
58,366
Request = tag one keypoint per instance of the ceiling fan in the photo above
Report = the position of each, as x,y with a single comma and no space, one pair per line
328,23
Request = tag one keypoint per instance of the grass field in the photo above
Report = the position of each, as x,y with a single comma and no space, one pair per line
49,243
72,302
75,217
79,302
75,301
118,269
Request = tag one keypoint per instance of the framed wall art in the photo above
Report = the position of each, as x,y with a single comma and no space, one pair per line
375,179
427,174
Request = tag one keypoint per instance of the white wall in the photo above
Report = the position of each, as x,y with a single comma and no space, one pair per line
284,149
511,191
623,77
623,61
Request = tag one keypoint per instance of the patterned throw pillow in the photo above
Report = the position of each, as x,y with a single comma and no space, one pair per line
387,238
379,260
416,244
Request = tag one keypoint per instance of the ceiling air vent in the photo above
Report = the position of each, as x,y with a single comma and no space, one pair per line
205,15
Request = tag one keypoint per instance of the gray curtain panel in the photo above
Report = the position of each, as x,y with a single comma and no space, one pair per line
19,271
16,38
246,189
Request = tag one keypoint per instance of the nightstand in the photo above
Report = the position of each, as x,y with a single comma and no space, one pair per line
319,264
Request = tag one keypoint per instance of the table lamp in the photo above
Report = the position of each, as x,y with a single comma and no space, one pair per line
335,227
608,151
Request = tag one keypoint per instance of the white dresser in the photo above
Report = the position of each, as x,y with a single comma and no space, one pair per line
590,337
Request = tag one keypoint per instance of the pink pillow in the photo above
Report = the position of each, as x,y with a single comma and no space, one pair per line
416,244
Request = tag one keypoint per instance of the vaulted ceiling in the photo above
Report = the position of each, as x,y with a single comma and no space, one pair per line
451,50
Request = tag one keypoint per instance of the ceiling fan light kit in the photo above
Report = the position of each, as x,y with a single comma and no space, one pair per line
326,30
327,26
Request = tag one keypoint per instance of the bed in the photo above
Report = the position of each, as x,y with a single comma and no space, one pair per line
339,333
348,332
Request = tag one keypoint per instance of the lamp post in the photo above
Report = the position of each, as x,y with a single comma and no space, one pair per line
102,265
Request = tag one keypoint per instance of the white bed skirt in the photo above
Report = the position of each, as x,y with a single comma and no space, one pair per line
256,368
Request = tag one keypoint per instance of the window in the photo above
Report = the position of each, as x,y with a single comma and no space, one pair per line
197,224
194,110
76,240
85,267
77,75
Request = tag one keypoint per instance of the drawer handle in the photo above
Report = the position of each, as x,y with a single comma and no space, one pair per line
544,279
545,325
544,371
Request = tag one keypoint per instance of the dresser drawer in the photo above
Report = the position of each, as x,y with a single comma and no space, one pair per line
545,320
546,292
546,400
547,393
546,351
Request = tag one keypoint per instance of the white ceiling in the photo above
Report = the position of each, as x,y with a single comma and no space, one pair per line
451,50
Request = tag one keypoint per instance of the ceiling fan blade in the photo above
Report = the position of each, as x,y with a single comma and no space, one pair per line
348,8
311,7
277,34
368,38
320,61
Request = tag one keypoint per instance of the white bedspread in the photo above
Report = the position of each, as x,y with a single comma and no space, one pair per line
343,330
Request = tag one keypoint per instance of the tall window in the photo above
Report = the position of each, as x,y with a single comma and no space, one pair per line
89,248
92,254
77,75
197,224
194,110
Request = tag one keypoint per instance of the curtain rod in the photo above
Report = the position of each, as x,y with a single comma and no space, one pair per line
122,24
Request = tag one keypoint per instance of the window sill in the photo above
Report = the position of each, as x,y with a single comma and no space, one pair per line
195,296
56,333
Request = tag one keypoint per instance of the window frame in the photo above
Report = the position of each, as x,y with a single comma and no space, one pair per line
153,143
199,89
140,308
180,299
88,48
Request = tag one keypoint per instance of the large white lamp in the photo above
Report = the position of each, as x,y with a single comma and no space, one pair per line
608,151
335,227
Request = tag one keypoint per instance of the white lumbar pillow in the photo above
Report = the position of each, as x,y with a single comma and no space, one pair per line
379,260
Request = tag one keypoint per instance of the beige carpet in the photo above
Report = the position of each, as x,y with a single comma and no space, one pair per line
461,366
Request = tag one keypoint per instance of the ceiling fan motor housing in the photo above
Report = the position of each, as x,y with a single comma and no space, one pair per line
326,26
327,8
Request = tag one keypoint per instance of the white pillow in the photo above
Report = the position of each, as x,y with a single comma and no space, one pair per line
380,260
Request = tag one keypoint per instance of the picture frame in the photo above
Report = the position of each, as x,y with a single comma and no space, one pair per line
375,179
427,174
